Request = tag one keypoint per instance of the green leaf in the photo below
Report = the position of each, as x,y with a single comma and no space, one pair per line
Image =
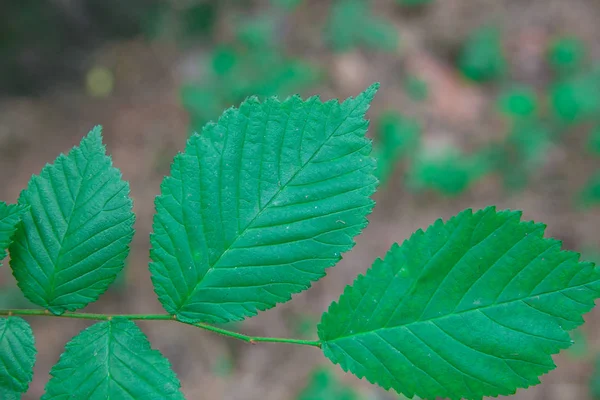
112,360
75,235
10,215
17,357
469,308
260,205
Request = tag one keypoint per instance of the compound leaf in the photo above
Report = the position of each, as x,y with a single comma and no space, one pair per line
76,232
469,308
17,357
112,360
10,215
260,205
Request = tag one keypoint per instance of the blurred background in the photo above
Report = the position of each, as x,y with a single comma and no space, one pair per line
481,102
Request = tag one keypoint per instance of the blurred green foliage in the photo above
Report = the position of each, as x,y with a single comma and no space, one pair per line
410,3
566,54
576,98
580,347
522,153
449,172
286,4
590,193
518,102
235,73
253,65
417,89
352,24
595,380
482,56
223,366
532,128
323,385
398,136
594,140
254,60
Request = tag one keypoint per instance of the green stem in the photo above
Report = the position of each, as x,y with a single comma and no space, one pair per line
164,317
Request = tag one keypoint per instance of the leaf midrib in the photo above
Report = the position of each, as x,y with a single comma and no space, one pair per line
68,219
465,311
279,191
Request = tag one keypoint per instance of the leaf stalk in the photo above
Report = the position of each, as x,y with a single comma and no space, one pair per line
158,317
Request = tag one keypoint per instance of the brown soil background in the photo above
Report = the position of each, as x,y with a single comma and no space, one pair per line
145,126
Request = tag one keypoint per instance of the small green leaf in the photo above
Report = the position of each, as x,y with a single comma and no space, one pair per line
17,357
112,360
260,205
469,308
76,232
10,215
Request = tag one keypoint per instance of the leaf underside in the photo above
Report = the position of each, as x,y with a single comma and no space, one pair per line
260,204
10,215
76,232
17,357
469,308
112,360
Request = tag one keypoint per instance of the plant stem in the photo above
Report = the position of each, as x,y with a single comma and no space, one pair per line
164,317
256,339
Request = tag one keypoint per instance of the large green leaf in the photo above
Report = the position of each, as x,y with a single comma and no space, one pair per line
17,357
10,215
112,360
260,205
472,307
76,232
